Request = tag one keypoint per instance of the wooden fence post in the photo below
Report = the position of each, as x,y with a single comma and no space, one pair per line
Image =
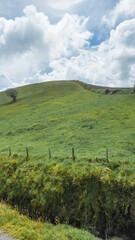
107,154
9,151
73,154
107,159
27,152
49,153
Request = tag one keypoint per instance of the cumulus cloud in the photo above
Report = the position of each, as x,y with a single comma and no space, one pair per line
124,9
32,49
111,63
34,32
29,43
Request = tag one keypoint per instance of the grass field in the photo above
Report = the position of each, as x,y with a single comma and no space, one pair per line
91,192
62,115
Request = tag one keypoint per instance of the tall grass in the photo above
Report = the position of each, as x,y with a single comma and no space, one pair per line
23,228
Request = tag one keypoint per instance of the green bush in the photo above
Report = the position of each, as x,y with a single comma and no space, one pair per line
85,194
107,91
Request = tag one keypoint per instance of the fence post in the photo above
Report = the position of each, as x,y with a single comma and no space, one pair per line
107,159
9,151
73,154
27,152
107,154
49,153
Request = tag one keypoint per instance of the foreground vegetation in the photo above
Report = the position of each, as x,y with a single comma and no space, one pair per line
86,193
90,190
21,227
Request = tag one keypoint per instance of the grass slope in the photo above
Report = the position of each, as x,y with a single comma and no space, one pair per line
62,115
59,116
21,227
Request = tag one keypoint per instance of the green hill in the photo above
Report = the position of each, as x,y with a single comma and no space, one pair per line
88,191
62,115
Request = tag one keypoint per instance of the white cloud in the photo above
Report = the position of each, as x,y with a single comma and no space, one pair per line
110,64
32,49
4,82
124,9
29,43
63,5
34,32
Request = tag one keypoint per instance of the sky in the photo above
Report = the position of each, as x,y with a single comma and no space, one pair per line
88,40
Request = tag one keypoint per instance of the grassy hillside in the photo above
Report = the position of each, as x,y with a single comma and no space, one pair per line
62,115
88,192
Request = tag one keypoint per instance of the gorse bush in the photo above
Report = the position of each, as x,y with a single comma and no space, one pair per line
86,193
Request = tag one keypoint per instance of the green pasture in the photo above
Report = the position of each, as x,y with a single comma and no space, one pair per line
63,114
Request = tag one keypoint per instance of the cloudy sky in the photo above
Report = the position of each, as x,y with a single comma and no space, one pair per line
88,40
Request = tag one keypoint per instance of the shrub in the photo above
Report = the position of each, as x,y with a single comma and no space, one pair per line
12,93
87,195
107,91
115,91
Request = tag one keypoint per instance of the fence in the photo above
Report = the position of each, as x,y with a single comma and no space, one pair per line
50,154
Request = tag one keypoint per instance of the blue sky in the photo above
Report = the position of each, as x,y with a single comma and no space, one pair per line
88,40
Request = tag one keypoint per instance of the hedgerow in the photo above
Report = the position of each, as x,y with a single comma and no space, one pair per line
86,193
